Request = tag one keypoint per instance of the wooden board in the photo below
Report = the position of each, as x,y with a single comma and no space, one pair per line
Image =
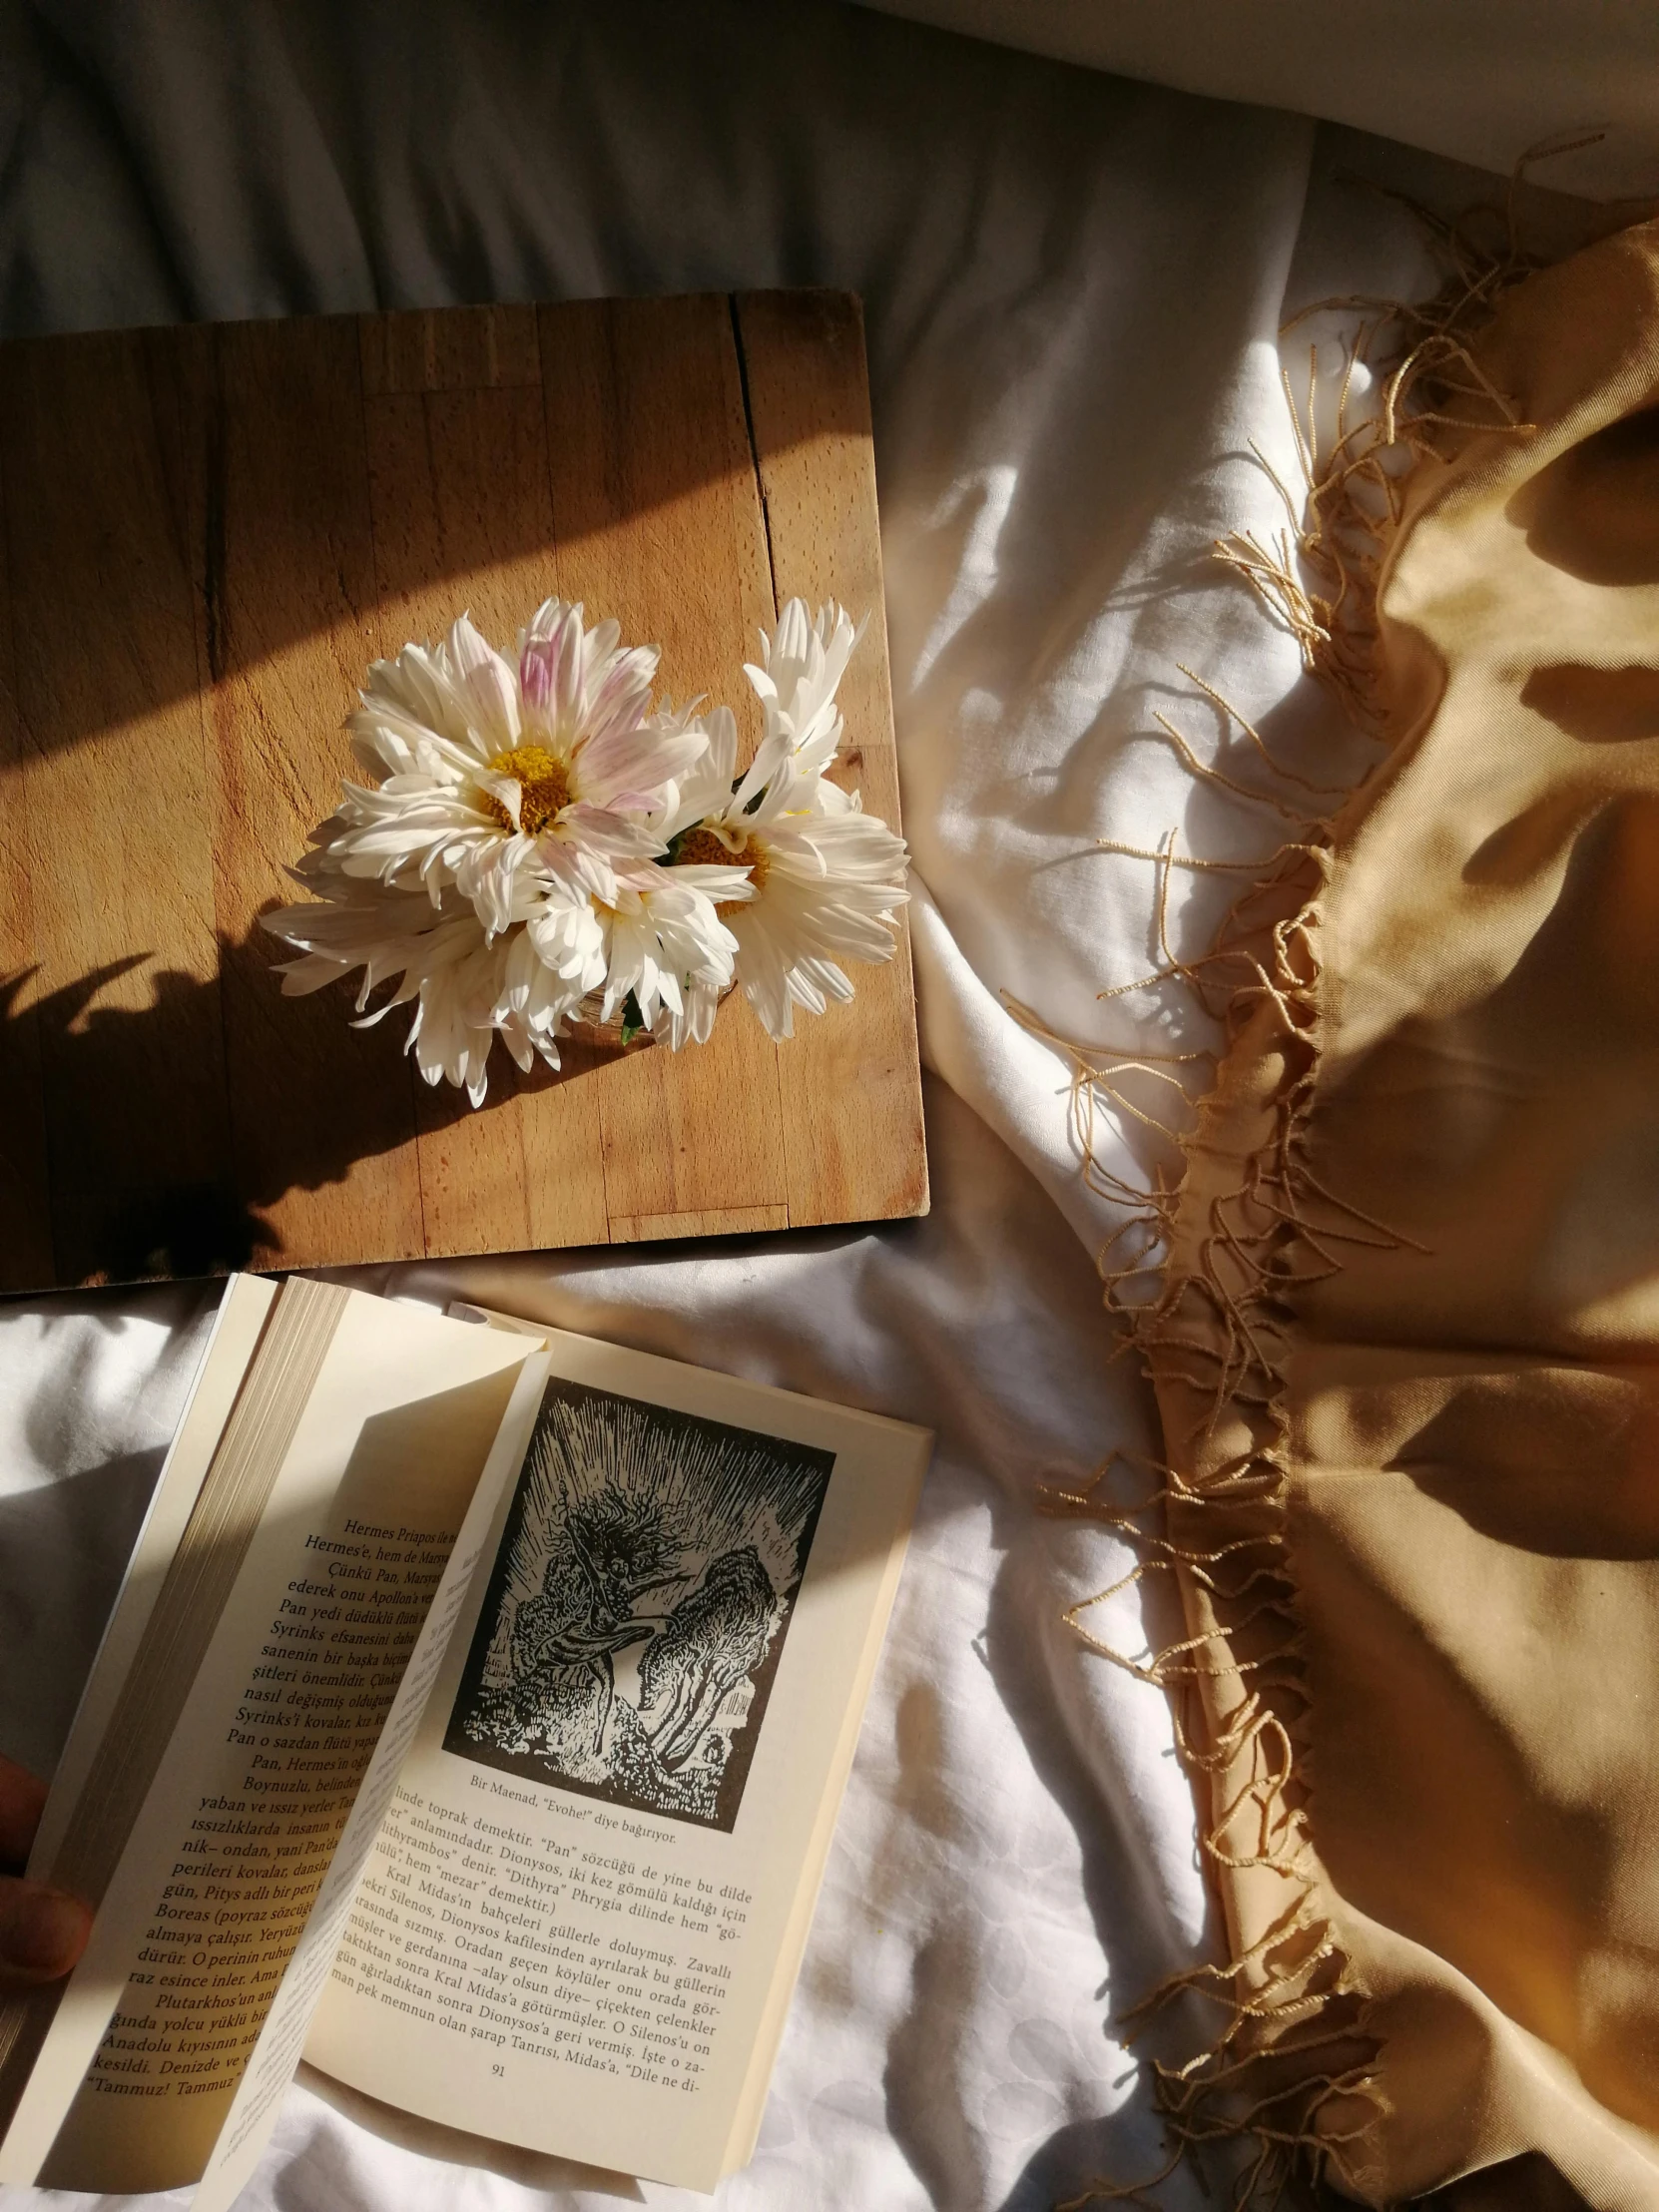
209,532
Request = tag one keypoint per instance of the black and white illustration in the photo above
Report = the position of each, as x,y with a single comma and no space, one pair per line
637,1604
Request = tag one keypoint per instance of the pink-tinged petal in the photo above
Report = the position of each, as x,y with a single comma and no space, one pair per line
610,833
631,767
550,670
485,683
578,868
623,695
535,676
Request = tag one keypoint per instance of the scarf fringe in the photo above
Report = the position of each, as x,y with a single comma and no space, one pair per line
1289,2080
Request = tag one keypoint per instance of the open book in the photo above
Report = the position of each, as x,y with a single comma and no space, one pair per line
472,1722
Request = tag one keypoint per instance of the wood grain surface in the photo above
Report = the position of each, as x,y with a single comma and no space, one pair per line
209,532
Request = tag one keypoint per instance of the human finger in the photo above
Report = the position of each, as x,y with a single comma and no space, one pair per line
42,1931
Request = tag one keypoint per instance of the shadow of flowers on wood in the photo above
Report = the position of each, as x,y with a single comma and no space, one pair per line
151,1120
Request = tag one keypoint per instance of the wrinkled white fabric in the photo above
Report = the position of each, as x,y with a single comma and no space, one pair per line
1073,286
1484,81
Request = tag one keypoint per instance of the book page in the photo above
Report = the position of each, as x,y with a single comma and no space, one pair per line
270,2067
80,1855
243,1313
220,1872
746,2124
572,1926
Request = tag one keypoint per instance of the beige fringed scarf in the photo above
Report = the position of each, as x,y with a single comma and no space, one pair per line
1407,1348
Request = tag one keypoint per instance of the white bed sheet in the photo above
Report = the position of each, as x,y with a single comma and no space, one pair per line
1486,81
1073,286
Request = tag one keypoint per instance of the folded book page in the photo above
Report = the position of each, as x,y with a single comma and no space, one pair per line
580,1922
316,1566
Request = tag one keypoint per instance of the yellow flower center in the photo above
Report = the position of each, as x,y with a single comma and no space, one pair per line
704,849
544,788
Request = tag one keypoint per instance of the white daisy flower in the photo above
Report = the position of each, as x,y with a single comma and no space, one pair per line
542,846
668,939
826,878
656,935
488,772
458,1015
437,956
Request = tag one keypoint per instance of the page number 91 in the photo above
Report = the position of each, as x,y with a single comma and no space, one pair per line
497,2069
